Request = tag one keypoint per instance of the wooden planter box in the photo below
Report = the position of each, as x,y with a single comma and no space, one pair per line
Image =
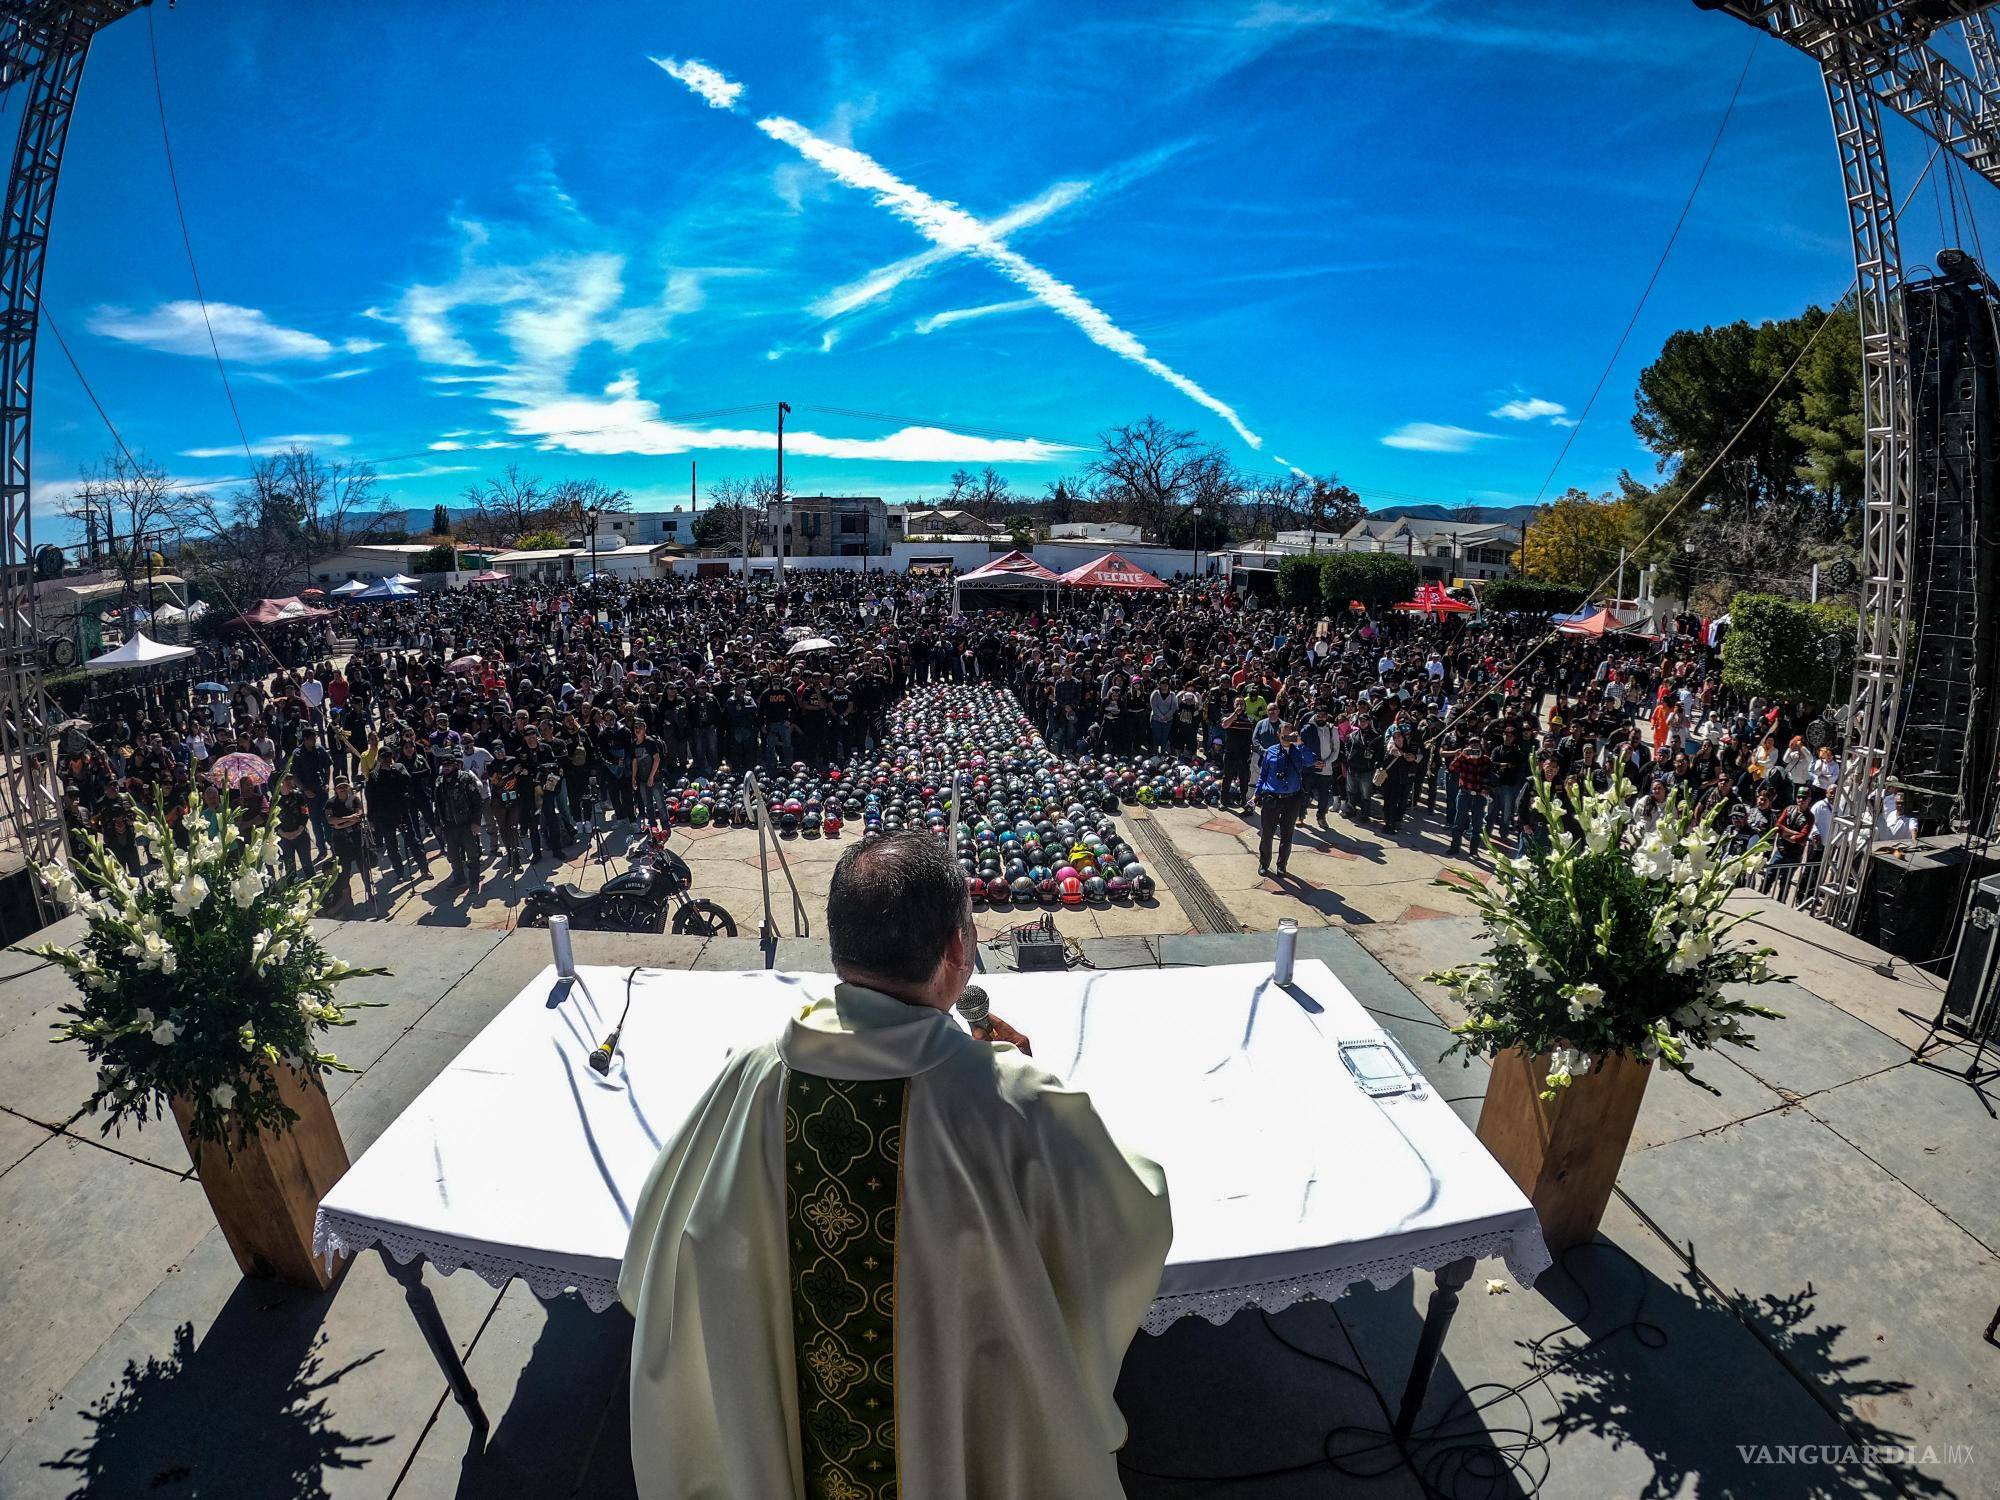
266,1197
1564,1153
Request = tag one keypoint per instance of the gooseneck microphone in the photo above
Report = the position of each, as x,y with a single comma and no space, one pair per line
973,1008
600,1060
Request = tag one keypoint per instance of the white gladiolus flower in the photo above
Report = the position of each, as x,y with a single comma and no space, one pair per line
223,1094
1652,860
165,1033
1569,1061
246,888
169,961
189,894
62,884
268,853
1583,999
143,1017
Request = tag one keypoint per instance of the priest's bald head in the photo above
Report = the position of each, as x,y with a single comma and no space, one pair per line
898,919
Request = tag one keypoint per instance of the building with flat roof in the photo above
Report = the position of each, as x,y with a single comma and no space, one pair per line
828,525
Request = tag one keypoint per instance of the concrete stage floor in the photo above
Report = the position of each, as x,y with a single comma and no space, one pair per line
1808,1259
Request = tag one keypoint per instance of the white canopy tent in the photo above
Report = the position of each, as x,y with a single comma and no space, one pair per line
140,651
350,588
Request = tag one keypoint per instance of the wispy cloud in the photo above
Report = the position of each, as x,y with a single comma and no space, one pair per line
951,315
1434,437
245,335
623,421
950,228
720,92
884,280
1528,409
267,446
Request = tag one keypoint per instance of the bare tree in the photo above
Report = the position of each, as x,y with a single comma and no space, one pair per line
127,505
507,507
964,486
1153,469
336,504
569,499
990,492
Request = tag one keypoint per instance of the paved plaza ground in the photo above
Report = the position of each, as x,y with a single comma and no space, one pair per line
1808,1258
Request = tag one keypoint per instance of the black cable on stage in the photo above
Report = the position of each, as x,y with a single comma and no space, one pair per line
1658,266
1456,1455
187,241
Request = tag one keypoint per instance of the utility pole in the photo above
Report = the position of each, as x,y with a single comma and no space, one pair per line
783,412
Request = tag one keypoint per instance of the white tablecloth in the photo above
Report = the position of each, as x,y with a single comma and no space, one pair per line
1286,1178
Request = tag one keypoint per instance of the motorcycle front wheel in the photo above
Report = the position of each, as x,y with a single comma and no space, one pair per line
704,919
534,916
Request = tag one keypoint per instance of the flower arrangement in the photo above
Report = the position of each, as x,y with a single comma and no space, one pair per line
198,978
1610,938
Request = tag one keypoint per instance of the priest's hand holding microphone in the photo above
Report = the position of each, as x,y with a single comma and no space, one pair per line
972,1007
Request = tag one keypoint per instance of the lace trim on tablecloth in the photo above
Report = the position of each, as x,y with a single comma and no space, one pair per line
335,1234
1522,1250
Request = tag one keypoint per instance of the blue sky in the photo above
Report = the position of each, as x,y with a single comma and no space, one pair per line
1392,241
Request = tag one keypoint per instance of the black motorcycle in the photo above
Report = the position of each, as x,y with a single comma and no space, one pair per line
636,901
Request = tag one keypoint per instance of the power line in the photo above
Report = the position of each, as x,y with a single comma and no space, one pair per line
187,241
1658,266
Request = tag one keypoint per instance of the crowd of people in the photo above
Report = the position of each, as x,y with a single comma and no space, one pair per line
503,725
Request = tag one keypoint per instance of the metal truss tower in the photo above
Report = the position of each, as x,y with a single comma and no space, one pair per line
42,51
1876,53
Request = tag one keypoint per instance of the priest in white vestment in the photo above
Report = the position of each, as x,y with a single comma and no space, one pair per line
883,1260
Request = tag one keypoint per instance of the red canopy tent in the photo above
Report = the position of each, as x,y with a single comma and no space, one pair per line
1432,599
1112,572
1014,568
491,575
280,612
1601,622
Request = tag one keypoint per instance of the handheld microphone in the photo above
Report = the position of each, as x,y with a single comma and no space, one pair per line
973,1008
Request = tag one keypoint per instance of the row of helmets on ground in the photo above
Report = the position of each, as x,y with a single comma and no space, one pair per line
1033,824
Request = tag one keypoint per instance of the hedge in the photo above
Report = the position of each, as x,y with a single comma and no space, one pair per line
1377,579
1780,648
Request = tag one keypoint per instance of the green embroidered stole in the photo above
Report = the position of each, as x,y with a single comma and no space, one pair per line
843,1177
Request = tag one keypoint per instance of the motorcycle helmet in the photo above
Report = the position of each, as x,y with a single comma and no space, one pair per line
1118,888
830,825
1093,889
1143,887
975,887
698,816
788,822
998,892
1024,889
1045,888
1071,889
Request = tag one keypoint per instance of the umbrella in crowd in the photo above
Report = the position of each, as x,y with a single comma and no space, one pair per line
810,644
238,767
465,666
210,687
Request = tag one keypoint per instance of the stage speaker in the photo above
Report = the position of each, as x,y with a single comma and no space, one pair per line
1972,998
1944,752
1911,906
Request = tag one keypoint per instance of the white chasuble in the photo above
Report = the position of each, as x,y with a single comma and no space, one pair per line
883,1261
